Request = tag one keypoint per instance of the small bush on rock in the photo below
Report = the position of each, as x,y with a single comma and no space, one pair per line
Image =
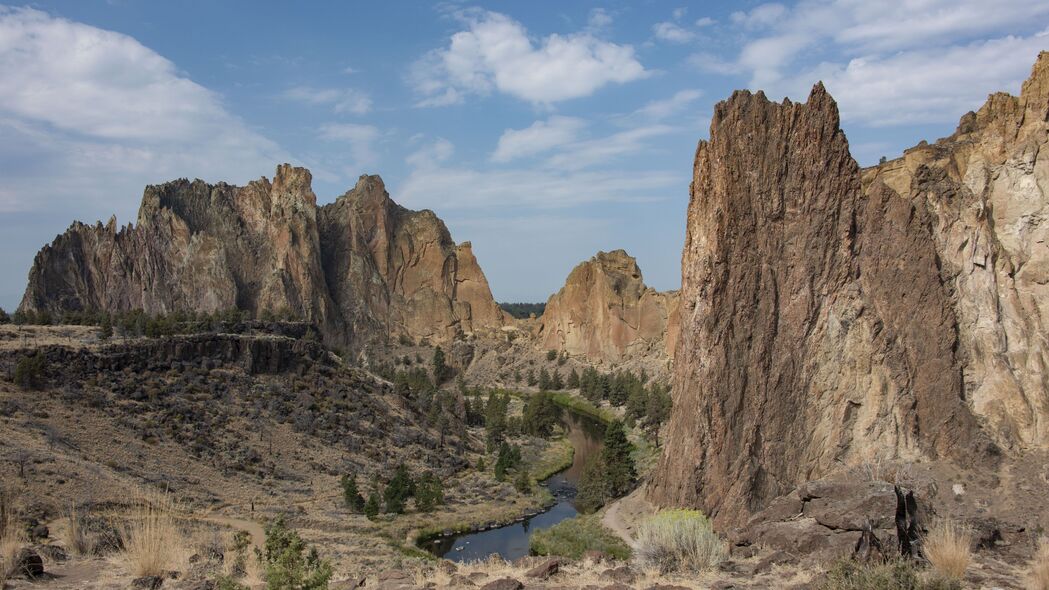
678,541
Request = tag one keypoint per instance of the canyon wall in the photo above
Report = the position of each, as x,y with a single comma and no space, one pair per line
832,316
361,267
605,313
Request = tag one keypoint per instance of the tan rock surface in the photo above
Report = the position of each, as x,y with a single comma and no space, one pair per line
361,267
606,313
832,316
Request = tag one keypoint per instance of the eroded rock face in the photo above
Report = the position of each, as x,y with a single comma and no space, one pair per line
360,268
606,313
832,316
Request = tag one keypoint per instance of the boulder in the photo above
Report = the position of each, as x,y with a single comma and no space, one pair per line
503,584
545,569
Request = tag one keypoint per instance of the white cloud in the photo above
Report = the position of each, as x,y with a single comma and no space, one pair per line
431,155
541,136
585,154
661,109
88,116
495,53
887,62
926,86
477,190
361,139
706,21
599,19
672,32
345,100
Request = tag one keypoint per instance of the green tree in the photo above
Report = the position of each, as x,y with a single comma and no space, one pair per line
371,507
400,488
351,494
288,563
541,415
509,458
429,492
29,372
618,464
551,355
573,379
495,420
523,482
4,318
106,331
592,491
530,379
441,371
658,409
544,379
556,383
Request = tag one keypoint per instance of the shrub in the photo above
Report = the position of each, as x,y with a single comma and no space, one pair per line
350,494
593,487
947,546
678,541
11,539
1038,575
152,539
523,482
371,507
573,537
848,574
29,372
289,565
429,492
551,355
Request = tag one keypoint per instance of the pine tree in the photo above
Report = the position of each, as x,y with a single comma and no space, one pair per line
4,318
544,379
531,378
106,331
573,379
441,371
556,383
429,492
619,466
350,494
400,488
371,507
593,486
523,482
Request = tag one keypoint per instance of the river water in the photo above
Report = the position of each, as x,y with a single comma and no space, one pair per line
511,541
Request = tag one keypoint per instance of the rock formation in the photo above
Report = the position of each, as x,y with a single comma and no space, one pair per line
606,313
360,268
832,316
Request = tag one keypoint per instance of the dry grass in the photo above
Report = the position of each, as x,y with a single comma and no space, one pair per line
154,543
1038,571
948,548
11,541
678,541
74,536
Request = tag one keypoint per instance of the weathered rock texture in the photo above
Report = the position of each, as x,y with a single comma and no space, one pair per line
606,313
832,316
361,267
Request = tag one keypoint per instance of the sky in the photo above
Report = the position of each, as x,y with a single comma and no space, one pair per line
542,132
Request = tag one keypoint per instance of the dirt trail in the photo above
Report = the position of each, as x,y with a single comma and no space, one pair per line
623,515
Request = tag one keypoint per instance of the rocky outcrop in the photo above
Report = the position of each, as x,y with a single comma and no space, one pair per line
832,316
360,268
606,313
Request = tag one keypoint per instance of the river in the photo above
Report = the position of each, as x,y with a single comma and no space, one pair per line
511,541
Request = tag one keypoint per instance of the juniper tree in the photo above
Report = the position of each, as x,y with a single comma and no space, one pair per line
351,494
619,466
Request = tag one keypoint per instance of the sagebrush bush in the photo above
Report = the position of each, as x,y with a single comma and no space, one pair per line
1038,571
75,536
848,574
948,547
573,537
678,541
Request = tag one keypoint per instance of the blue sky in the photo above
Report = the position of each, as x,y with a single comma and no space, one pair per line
542,132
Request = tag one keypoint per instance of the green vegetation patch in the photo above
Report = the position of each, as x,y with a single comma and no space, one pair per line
522,310
848,574
573,537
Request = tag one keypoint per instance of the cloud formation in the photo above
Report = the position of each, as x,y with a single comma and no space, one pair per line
496,54
540,137
345,100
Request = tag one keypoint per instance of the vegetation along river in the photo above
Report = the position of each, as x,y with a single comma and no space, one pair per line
511,541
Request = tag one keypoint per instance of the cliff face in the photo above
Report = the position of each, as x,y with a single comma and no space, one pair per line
361,267
832,316
606,313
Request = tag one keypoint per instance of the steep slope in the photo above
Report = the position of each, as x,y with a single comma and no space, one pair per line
606,313
831,317
361,268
